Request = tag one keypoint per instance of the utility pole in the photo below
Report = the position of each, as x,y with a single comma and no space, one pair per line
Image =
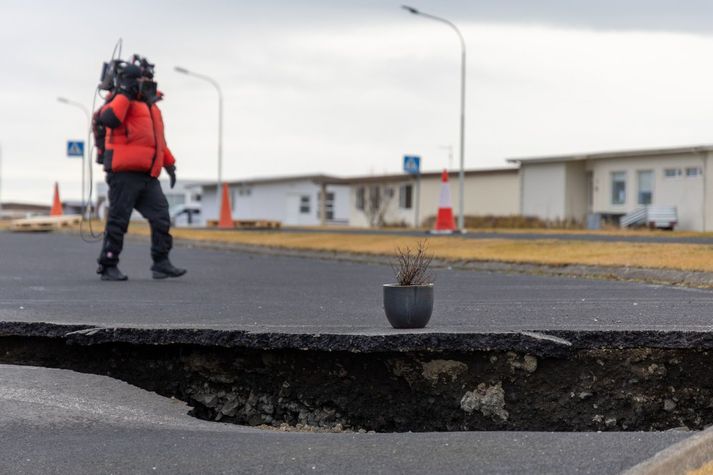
417,199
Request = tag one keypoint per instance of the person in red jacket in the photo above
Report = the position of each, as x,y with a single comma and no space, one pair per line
132,147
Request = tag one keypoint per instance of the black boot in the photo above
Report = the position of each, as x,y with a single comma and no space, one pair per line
164,269
111,273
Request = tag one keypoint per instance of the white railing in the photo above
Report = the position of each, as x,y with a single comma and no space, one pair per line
634,218
651,216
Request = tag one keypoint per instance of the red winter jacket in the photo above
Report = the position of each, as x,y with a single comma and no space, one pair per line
134,140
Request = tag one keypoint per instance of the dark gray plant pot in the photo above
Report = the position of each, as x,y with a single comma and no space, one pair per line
408,306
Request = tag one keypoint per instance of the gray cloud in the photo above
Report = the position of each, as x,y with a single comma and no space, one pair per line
658,15
692,16
646,15
348,86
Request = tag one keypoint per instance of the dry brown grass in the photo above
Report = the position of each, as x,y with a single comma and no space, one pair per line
545,232
706,469
690,257
602,232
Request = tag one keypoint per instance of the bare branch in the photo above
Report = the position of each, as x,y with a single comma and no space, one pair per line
376,204
412,266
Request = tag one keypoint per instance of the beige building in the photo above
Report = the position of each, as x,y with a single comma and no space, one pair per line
403,200
616,183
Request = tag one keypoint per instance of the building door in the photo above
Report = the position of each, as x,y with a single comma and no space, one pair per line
328,206
292,213
590,191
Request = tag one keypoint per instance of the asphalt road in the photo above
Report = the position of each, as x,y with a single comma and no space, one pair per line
58,421
50,278
580,236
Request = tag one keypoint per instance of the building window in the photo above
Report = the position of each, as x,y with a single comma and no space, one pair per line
175,199
360,198
304,204
693,171
389,192
375,197
646,187
406,196
328,206
618,188
240,191
671,172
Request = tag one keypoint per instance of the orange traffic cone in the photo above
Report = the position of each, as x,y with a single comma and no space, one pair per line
56,203
226,215
445,224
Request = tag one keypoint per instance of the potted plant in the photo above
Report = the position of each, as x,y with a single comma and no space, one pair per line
409,302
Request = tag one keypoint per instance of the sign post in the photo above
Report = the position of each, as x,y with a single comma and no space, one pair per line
75,149
412,166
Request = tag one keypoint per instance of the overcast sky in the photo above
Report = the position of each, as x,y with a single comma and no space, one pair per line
348,87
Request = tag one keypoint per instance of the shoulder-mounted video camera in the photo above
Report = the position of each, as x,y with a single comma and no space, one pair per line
133,78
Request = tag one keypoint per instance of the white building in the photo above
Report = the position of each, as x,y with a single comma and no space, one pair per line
613,184
293,201
185,194
405,201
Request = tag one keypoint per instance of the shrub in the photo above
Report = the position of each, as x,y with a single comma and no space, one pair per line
412,266
511,222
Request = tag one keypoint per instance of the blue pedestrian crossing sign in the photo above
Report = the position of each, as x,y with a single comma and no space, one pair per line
412,164
75,148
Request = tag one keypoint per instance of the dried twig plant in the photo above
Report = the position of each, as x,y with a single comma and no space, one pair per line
412,266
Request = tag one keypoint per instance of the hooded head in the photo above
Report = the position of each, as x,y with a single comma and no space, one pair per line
136,80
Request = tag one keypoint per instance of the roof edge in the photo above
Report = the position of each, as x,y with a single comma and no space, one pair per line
334,180
613,154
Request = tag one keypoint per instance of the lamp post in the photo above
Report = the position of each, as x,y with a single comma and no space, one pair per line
84,109
181,70
0,177
461,177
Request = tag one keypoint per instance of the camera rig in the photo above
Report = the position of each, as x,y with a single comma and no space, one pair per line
137,73
117,75
116,70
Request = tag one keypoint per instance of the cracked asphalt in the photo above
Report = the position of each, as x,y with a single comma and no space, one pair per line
58,421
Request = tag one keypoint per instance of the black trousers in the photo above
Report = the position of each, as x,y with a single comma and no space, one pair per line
129,191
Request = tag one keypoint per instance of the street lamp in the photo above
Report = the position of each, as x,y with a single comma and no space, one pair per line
0,176
181,70
461,177
84,109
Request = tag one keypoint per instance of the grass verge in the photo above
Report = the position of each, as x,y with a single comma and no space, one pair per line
685,257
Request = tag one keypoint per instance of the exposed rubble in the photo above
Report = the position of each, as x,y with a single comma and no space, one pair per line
601,381
488,400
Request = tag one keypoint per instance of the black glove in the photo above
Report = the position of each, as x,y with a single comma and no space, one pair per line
171,170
